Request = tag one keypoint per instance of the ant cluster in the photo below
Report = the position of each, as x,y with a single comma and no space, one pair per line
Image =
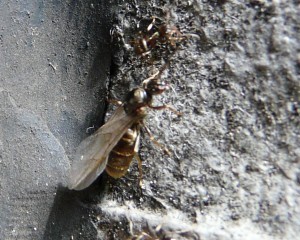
158,40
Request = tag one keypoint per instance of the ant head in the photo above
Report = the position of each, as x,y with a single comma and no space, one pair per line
155,86
136,98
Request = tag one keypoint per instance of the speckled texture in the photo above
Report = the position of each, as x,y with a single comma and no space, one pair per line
234,170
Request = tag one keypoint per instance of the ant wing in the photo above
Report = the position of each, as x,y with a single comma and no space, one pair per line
91,156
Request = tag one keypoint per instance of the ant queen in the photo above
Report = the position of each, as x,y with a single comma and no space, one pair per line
113,146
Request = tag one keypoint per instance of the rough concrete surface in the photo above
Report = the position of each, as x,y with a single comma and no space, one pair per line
234,172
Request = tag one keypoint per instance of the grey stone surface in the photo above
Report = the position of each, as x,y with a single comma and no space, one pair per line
234,172
54,61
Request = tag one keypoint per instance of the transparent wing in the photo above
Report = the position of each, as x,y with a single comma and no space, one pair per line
91,156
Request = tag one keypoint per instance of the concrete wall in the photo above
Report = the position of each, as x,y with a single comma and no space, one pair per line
234,169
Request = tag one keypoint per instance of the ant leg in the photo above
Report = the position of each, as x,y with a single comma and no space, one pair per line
140,169
151,24
158,73
166,107
136,155
166,150
145,82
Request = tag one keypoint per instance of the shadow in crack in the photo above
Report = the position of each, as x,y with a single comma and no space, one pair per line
70,214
